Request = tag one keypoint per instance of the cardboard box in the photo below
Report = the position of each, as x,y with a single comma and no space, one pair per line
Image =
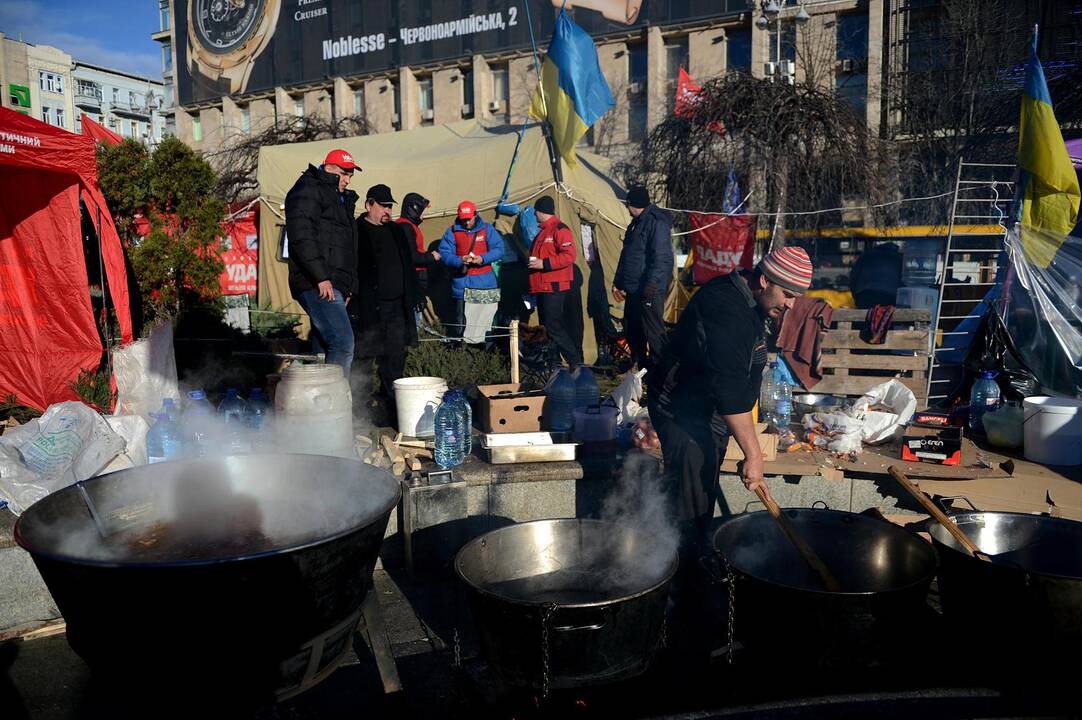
939,445
507,408
767,441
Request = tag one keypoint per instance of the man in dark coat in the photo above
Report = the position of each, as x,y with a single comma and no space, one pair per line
413,210
322,239
644,273
387,289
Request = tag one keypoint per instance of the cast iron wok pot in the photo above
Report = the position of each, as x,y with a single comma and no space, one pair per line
782,608
585,597
248,571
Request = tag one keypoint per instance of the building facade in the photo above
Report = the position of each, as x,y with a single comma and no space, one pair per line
640,63
48,84
127,104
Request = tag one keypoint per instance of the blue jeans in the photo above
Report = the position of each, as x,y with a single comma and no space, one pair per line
332,332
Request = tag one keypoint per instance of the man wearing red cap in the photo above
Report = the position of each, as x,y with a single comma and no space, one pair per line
469,247
322,245
708,383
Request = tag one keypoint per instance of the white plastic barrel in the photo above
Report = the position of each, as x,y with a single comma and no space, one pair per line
417,399
1053,430
314,411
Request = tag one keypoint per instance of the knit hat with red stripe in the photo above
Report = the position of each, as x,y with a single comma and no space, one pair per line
789,267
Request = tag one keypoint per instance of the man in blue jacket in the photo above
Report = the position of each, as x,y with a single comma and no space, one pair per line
469,247
644,273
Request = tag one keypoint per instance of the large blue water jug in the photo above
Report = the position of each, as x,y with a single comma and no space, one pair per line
450,444
561,401
164,439
587,392
198,425
985,397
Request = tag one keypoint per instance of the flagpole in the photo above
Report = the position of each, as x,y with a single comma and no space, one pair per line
546,128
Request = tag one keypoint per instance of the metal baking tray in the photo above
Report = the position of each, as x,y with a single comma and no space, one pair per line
505,448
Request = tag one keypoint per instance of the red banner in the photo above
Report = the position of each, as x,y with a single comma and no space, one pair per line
722,244
240,253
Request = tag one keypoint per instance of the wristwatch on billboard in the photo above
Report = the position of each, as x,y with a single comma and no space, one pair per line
226,36
621,11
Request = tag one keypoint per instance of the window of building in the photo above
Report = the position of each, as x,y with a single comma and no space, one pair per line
424,99
500,85
86,89
636,91
78,123
396,103
245,119
50,82
359,109
197,129
298,105
167,57
788,41
131,100
61,118
851,79
170,126
676,56
163,15
167,95
738,49
465,81
116,96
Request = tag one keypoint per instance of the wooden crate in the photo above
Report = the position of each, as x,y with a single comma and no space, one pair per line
851,366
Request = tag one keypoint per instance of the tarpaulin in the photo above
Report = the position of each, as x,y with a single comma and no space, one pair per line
99,133
721,244
47,330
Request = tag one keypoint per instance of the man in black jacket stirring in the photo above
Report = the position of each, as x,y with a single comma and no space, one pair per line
322,242
387,289
643,275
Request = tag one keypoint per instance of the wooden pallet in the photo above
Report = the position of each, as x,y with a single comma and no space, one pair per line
851,366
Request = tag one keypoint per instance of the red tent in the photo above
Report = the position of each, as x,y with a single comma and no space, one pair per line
100,133
47,330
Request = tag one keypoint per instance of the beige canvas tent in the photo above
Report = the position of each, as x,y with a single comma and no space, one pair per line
448,164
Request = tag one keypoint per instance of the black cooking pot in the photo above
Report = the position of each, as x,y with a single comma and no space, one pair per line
567,603
248,571
780,602
1028,599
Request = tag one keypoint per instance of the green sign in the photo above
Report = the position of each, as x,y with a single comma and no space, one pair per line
20,98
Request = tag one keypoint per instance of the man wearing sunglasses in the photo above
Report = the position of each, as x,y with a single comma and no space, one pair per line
387,294
323,253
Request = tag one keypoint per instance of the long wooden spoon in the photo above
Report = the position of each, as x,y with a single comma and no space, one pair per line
814,561
939,515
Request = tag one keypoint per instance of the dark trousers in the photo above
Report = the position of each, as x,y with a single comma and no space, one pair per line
644,324
552,308
392,352
458,327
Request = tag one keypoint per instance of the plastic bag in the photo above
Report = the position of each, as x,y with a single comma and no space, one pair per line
876,425
69,443
146,373
837,432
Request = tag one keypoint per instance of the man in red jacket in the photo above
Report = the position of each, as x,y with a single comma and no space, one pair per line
552,261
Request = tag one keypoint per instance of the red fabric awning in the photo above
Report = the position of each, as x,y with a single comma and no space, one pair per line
99,132
47,330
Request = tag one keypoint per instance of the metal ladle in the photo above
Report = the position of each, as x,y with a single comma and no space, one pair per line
92,509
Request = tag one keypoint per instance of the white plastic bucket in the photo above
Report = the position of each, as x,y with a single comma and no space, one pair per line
1053,430
417,399
314,411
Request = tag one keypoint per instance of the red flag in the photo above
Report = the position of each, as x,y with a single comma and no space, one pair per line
687,97
722,244
100,133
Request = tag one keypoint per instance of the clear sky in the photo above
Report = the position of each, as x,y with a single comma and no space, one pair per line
113,33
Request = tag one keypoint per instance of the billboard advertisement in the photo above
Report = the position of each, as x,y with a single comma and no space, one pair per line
230,47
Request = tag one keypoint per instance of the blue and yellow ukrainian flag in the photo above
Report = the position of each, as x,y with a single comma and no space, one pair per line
1048,186
572,94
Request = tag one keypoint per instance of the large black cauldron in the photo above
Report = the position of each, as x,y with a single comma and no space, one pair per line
247,572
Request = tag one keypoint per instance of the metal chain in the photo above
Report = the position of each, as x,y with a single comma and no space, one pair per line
546,616
457,642
663,640
730,584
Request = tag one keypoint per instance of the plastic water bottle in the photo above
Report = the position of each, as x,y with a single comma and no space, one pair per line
450,446
587,393
232,408
766,396
197,423
561,397
466,419
258,409
983,398
783,396
164,439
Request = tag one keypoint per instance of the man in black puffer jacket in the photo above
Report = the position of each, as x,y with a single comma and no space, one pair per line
323,253
644,273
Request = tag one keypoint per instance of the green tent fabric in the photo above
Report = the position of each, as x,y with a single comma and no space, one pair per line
448,164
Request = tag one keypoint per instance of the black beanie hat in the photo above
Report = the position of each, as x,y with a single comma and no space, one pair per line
637,197
545,204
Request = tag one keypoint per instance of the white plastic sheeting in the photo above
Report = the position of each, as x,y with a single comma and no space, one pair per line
1043,315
